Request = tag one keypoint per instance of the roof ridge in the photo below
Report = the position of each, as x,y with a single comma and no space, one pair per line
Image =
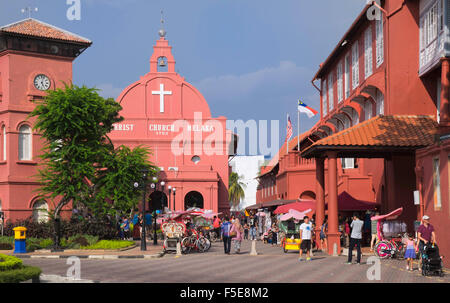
5,27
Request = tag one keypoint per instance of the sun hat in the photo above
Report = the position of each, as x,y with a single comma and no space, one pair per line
425,217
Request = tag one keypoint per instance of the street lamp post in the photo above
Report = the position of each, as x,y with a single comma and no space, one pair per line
143,238
170,192
155,241
174,205
163,203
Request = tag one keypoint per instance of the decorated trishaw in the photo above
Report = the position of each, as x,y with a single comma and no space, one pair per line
190,228
391,234
290,230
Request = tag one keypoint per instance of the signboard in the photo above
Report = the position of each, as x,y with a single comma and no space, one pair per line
416,197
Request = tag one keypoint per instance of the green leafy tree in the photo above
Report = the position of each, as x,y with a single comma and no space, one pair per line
235,189
79,161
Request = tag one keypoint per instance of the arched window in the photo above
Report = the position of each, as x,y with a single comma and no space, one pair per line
4,142
40,211
368,110
380,103
25,142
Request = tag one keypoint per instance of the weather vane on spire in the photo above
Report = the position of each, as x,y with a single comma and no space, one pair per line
29,10
162,32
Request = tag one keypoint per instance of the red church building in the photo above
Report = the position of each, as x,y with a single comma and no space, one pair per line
162,111
171,117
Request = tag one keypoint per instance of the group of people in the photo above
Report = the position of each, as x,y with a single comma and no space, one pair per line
231,231
131,227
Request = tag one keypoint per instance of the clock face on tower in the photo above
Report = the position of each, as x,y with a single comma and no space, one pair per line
42,82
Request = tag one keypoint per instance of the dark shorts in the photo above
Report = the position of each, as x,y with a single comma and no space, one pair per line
305,245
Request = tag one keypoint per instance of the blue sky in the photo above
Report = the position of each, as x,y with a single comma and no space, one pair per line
251,59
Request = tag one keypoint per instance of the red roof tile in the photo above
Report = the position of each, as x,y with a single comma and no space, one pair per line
385,131
35,28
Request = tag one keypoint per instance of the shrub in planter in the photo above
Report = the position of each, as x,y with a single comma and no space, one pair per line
44,230
21,274
9,263
110,245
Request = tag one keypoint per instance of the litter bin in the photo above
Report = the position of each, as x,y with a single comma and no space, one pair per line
20,236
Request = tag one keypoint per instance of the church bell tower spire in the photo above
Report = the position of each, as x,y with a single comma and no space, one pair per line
162,52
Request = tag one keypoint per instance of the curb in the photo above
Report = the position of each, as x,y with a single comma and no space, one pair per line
95,257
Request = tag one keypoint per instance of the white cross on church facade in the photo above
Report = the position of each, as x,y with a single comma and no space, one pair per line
161,94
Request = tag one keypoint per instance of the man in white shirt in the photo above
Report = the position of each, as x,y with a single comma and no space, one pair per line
306,236
355,239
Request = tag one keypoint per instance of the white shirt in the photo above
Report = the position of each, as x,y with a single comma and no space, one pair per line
306,231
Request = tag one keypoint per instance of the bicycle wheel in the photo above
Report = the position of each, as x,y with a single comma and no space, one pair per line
186,245
203,244
383,249
213,236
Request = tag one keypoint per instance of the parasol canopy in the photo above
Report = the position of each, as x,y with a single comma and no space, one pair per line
301,206
390,216
294,214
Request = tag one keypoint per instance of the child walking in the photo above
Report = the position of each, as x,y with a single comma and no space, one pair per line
410,253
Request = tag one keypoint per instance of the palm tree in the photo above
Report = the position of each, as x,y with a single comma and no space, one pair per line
235,190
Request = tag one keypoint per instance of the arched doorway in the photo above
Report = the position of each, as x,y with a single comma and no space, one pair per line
308,195
193,199
40,211
157,201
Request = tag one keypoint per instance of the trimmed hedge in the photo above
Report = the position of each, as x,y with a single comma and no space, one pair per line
22,274
109,245
9,263
12,270
103,229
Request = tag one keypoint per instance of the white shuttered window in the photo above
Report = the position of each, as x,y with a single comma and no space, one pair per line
368,58
355,65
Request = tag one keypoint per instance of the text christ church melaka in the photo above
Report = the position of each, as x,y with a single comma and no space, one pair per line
161,111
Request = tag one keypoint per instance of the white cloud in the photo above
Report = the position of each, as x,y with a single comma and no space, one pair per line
107,90
281,85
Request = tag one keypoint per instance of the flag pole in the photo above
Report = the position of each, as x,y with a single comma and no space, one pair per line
287,140
298,130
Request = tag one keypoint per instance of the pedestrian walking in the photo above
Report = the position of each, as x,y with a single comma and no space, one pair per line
425,234
246,230
323,235
274,234
216,226
126,228
226,235
355,239
410,253
236,234
306,236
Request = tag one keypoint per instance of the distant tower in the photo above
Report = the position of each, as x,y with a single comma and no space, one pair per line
34,57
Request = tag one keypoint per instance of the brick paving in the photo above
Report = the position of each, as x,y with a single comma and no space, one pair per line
271,265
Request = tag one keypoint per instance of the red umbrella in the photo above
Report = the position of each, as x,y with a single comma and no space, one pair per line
298,206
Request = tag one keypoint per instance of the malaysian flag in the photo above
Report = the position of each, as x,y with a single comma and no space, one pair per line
289,129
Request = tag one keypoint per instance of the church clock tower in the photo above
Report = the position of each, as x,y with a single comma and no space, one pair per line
34,57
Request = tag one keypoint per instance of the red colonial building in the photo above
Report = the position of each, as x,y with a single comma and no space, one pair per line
162,111
34,57
383,124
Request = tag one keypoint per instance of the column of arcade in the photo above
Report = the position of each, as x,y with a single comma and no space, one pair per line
333,235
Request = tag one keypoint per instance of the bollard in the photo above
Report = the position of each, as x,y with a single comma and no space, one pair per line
178,248
253,251
335,254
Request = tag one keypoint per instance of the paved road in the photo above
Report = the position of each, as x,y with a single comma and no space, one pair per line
271,266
